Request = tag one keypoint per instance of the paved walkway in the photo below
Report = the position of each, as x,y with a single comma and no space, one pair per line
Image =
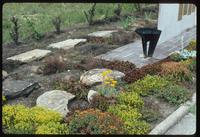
133,52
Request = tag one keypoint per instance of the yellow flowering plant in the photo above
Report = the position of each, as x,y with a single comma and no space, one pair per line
108,87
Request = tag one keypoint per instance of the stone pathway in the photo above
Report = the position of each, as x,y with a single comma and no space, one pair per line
186,126
102,34
30,55
67,44
133,52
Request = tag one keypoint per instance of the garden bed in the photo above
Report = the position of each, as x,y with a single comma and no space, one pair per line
127,100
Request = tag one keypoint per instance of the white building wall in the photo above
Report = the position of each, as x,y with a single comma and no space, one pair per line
168,21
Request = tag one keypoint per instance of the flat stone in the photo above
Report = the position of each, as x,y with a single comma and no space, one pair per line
17,88
67,44
4,74
91,94
93,76
56,100
102,34
30,55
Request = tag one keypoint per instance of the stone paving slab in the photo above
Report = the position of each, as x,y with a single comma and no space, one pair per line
30,55
16,88
103,34
67,44
133,52
186,126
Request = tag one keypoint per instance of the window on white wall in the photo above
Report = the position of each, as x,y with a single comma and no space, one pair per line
185,9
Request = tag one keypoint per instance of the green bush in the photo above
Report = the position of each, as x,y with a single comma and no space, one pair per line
190,64
192,45
131,117
102,102
150,115
176,57
93,121
18,119
174,94
130,98
52,128
148,85
176,71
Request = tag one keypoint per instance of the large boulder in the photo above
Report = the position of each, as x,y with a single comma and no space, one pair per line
17,88
56,100
94,76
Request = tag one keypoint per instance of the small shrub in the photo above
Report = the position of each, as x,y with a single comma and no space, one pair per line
52,128
53,65
134,75
150,115
176,57
35,34
118,10
91,63
174,94
14,34
130,98
57,23
93,121
102,102
131,118
72,86
3,99
175,71
192,45
126,23
148,85
190,64
108,87
18,119
89,15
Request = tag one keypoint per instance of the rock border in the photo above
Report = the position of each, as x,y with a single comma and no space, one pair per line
172,119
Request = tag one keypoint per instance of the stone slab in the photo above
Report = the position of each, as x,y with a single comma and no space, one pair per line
30,55
16,88
67,44
56,100
102,34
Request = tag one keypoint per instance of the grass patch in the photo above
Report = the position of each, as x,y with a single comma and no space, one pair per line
43,13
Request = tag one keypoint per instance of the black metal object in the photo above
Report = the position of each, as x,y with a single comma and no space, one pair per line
149,34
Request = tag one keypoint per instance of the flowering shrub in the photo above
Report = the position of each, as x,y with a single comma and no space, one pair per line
174,94
108,87
18,119
93,121
175,71
131,118
148,84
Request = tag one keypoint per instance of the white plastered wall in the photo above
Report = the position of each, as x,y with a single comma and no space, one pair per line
168,21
